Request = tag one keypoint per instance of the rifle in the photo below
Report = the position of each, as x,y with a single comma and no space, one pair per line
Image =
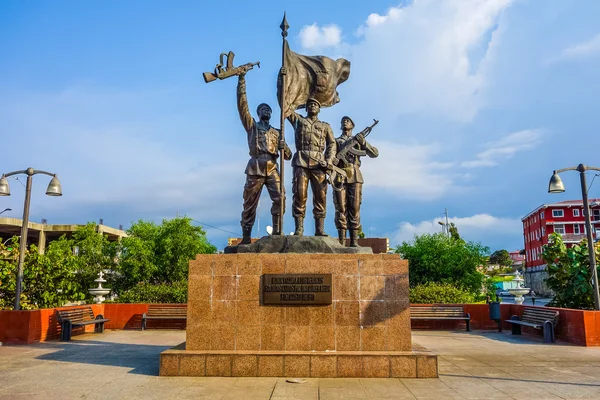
334,174
348,147
229,70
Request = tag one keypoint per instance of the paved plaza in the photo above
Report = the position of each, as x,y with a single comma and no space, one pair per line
473,365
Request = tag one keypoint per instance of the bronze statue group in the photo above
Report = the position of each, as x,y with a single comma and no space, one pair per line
320,160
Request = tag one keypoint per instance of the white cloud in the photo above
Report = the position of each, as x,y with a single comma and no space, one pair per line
428,57
505,148
410,171
473,228
581,50
109,158
374,19
313,37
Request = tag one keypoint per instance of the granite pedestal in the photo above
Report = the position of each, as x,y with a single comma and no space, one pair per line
364,332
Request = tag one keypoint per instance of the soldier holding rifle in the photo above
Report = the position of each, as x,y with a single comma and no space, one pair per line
348,197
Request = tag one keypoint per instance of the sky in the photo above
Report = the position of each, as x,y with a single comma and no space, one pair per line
478,102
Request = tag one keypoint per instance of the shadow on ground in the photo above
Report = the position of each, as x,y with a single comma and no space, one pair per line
143,359
505,336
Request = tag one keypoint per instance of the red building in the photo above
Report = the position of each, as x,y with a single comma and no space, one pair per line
517,259
565,218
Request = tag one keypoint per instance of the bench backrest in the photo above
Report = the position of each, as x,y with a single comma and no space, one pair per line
76,314
167,310
539,315
437,311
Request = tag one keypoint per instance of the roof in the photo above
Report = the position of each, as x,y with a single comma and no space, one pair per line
565,203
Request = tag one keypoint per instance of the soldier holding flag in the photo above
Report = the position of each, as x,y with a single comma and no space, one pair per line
312,137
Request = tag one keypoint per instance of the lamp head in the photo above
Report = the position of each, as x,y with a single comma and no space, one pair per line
556,184
54,188
4,188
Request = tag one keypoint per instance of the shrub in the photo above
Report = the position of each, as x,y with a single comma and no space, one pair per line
437,258
434,293
569,273
143,292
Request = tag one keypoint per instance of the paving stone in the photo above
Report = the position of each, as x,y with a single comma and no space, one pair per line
124,365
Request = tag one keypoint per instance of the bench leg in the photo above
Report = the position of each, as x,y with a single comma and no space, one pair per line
468,325
65,332
99,327
143,323
516,329
549,332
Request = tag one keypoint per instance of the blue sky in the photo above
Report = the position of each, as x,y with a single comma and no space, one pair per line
478,101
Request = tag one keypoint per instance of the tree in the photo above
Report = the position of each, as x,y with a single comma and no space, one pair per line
49,279
93,253
160,253
569,273
437,258
454,231
501,257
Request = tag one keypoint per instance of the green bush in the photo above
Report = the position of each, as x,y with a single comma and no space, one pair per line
175,292
436,293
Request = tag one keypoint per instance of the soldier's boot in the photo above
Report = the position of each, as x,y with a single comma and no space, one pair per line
276,226
320,227
299,226
342,236
246,235
354,238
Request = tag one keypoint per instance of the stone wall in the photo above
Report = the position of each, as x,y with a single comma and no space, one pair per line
535,278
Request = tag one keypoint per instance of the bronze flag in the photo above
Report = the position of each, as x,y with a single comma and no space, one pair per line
311,77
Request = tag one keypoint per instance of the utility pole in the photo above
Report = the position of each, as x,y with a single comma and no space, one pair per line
447,224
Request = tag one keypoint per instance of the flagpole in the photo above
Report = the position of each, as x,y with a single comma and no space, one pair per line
284,28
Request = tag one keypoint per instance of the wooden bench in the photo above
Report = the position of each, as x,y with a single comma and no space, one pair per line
78,317
164,312
441,312
538,318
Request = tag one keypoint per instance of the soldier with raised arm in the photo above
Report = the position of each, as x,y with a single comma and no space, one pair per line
262,167
347,200
315,147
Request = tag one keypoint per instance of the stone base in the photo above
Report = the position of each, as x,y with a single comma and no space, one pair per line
297,244
305,364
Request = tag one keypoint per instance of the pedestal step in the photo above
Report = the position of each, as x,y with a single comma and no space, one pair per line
314,364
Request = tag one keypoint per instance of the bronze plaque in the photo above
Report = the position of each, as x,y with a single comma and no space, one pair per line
294,289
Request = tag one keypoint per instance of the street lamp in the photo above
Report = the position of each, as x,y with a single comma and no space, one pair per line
443,226
53,189
5,210
556,186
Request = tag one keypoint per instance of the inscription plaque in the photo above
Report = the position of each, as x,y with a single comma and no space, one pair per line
294,289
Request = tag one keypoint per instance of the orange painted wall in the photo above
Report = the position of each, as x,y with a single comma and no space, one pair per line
581,327
26,327
129,316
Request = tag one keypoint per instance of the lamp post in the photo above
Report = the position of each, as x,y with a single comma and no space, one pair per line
5,210
54,189
556,186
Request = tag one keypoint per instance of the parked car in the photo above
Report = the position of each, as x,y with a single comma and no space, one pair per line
503,292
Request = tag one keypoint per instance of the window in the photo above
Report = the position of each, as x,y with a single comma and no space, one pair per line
560,229
576,212
542,215
576,230
543,231
557,213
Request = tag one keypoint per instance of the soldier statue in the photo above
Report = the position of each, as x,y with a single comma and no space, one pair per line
262,167
348,196
315,150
